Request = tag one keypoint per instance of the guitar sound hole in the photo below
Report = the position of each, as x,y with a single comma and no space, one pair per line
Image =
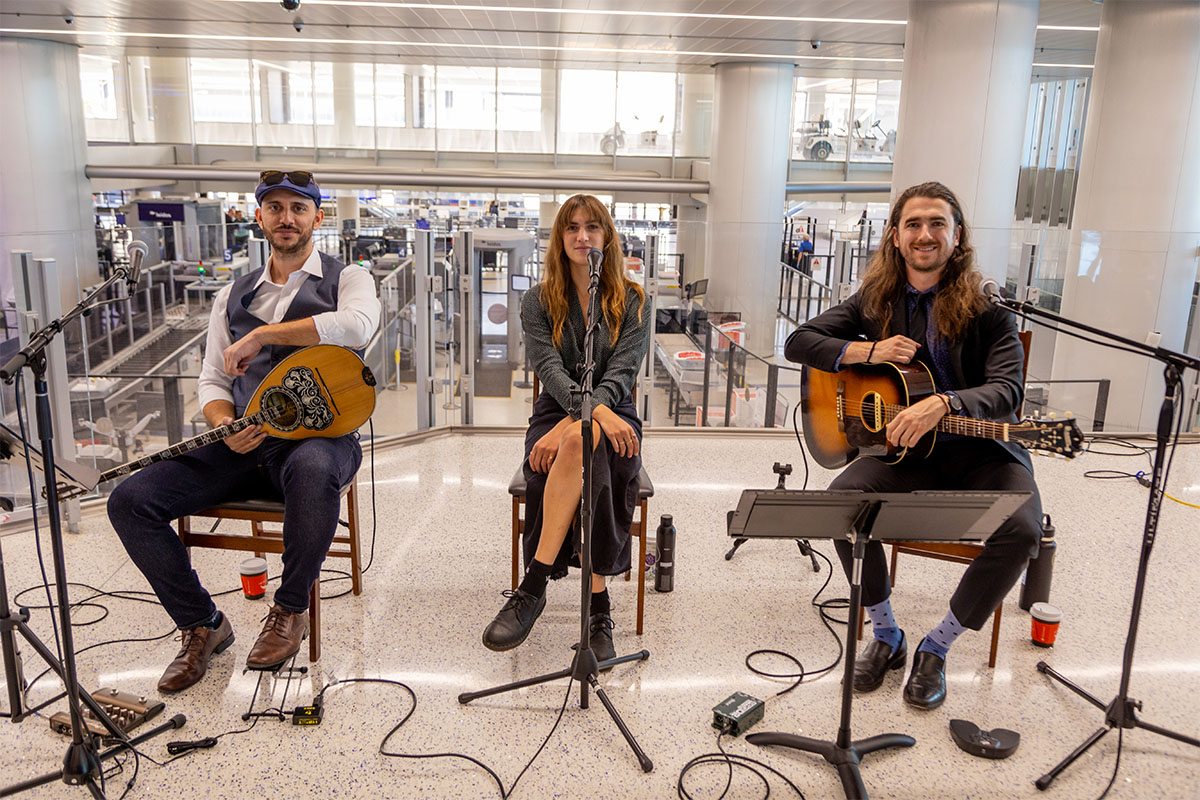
289,415
872,407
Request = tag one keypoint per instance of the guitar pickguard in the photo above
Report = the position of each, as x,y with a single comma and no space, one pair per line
862,438
300,390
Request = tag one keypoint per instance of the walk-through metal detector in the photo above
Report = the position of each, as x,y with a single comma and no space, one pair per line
428,285
468,322
496,327
650,284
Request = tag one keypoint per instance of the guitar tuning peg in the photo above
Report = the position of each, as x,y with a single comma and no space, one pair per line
1070,415
1051,415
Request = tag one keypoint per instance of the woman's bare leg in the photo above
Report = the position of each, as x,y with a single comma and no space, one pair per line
560,501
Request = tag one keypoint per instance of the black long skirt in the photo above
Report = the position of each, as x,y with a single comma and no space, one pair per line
614,494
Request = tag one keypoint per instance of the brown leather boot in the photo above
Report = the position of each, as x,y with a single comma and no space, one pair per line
198,646
281,636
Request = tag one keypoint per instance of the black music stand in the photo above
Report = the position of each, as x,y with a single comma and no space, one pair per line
860,517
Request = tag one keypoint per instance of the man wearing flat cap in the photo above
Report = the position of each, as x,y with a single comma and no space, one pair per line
301,297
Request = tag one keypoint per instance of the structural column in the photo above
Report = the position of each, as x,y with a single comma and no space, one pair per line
1132,262
963,94
45,198
752,126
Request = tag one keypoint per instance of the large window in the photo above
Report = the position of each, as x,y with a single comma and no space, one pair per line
646,112
587,112
831,115
524,116
466,111
283,103
275,103
221,100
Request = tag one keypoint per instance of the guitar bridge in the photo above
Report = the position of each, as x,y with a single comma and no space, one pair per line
841,406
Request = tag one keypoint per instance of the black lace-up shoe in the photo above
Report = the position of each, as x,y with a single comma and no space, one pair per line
600,638
514,622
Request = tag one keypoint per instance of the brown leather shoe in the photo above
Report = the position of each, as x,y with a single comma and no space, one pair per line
281,636
198,646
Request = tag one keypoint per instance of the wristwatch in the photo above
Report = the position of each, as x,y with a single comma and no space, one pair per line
956,403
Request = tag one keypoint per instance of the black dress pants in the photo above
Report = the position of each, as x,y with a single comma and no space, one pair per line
958,464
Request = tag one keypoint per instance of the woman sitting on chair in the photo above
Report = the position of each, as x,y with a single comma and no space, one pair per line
554,317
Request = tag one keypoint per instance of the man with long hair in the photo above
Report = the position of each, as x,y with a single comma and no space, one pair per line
920,300
554,318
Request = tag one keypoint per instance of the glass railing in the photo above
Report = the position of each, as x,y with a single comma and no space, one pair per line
130,367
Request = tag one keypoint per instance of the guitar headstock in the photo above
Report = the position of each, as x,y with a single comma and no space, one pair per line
1057,436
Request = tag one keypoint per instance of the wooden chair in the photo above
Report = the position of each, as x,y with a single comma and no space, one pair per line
516,488
262,540
957,552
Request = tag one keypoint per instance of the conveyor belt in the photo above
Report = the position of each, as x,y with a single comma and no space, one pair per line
157,354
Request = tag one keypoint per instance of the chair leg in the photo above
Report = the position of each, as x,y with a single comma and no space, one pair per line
892,574
641,571
355,547
516,538
995,636
861,617
314,621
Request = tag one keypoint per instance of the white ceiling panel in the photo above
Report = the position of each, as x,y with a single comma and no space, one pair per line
488,32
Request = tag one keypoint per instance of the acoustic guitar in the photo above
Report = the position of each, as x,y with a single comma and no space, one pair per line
323,390
845,415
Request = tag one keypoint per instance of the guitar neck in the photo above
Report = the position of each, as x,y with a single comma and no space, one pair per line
962,426
187,445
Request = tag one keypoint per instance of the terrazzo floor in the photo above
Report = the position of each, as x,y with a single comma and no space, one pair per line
442,555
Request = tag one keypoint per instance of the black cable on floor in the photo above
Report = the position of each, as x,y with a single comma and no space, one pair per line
730,760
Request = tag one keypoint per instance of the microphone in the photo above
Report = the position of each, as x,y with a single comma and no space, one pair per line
137,251
595,259
991,290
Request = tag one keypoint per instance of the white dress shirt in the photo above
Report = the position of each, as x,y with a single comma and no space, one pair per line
351,325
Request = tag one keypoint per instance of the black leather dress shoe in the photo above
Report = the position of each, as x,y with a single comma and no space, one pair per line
601,639
875,663
514,622
926,687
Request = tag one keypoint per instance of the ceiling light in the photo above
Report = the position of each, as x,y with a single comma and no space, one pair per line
456,46
1077,66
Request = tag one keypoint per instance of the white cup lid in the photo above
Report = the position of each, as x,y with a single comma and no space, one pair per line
1045,612
253,566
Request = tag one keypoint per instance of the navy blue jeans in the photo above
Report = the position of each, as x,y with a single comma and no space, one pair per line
305,474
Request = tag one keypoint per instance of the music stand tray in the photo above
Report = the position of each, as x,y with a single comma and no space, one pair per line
859,517
68,474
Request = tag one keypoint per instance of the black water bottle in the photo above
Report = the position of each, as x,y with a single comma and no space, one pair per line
1036,587
664,547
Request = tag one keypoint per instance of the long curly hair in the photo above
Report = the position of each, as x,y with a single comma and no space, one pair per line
958,297
556,278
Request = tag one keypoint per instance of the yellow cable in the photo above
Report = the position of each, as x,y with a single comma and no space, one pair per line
1181,502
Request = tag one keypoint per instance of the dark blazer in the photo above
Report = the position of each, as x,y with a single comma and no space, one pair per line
987,363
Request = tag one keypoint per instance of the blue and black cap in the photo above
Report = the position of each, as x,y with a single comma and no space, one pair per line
298,181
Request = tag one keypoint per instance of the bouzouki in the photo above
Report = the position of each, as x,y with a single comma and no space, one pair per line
845,415
324,390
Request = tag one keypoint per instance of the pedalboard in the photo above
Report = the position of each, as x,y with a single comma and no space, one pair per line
127,710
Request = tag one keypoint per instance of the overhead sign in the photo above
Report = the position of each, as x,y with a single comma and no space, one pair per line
160,212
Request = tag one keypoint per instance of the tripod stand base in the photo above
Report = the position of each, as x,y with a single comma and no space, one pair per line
846,759
1113,717
589,667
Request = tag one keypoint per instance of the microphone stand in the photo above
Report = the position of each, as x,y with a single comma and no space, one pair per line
81,765
1122,711
584,666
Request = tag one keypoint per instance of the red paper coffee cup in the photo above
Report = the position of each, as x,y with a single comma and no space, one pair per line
1045,623
254,578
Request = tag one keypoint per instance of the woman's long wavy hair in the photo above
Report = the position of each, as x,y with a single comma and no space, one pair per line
557,275
958,296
